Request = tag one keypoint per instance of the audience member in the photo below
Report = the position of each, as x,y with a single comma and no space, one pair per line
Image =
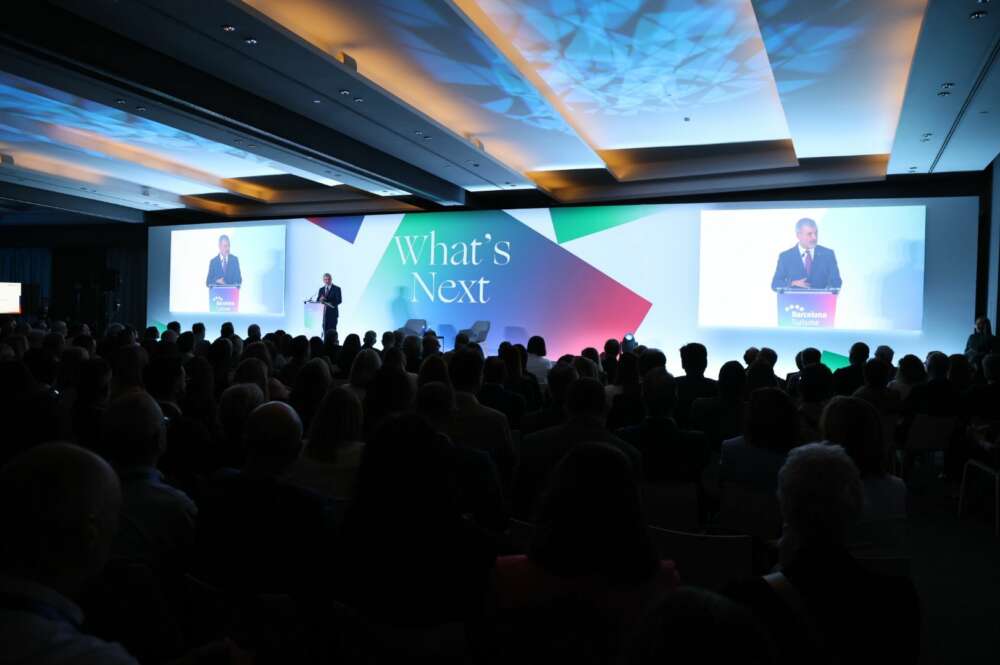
856,425
752,461
541,451
332,455
848,379
822,606
669,453
694,384
157,521
537,364
722,417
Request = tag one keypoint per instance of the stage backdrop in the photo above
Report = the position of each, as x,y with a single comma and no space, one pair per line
670,274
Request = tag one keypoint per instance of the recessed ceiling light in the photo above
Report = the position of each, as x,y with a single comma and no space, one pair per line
925,140
943,93
359,100
418,133
947,86
317,101
140,109
475,165
250,41
975,16
927,134
229,28
237,140
121,101
345,92
427,138
251,145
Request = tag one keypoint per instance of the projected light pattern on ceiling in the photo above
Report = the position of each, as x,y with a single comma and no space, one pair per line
428,55
642,73
61,135
841,68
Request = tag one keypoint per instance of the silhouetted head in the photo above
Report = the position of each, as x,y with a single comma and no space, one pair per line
659,392
772,421
694,359
858,354
732,380
59,508
133,431
876,374
536,346
586,399
820,494
815,383
855,424
589,522
273,438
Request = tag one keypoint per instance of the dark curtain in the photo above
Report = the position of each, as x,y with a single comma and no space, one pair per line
29,266
130,263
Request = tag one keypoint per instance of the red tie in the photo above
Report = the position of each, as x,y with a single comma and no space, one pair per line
809,263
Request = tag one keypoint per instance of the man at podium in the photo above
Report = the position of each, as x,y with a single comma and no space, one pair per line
808,265
329,295
224,269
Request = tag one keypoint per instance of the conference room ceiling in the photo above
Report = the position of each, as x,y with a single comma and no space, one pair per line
266,108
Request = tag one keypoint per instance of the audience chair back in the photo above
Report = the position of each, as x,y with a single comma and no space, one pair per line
749,511
703,560
673,506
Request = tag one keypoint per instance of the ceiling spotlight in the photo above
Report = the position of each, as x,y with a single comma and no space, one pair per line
927,134
925,140
250,41
943,93
427,138
418,133
229,28
237,140
120,101
947,86
359,100
140,109
251,145
317,101
975,16
345,93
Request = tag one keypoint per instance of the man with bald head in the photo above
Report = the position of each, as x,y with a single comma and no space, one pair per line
59,509
258,532
157,521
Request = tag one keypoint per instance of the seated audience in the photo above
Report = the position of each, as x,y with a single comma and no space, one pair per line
911,372
405,497
59,506
473,425
815,387
855,425
753,460
805,357
541,451
560,378
876,389
886,355
822,605
625,403
537,364
722,417
590,550
258,533
669,453
848,379
157,522
332,455
694,384
495,395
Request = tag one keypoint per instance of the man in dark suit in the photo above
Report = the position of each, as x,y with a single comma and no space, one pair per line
329,294
224,269
807,265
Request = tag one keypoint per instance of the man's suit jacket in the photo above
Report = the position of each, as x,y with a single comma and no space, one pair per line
231,276
333,298
330,315
825,273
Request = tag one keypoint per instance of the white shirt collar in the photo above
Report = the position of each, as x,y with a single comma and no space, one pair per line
803,250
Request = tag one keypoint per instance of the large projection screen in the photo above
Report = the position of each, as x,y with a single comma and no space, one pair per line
885,271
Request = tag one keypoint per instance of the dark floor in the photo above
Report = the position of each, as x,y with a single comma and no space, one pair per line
956,568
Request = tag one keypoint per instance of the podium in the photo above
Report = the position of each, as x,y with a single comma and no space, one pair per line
807,308
223,299
312,316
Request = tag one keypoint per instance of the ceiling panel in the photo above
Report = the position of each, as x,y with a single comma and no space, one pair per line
644,73
425,53
841,68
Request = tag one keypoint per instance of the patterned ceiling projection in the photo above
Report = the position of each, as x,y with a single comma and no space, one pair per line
645,73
